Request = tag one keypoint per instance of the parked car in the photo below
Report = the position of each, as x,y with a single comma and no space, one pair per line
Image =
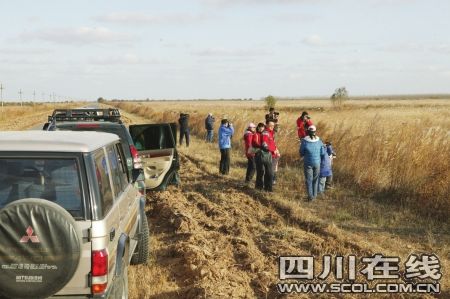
152,147
71,219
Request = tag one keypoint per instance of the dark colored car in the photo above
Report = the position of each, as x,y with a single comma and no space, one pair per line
98,120
151,147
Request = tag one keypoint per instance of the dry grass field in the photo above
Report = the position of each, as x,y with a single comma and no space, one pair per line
15,117
394,151
216,238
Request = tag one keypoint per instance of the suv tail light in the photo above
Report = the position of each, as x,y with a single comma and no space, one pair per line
99,271
137,163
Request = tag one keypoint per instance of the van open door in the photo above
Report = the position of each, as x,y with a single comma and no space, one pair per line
156,144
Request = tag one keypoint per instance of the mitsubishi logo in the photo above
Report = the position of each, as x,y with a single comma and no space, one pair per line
29,236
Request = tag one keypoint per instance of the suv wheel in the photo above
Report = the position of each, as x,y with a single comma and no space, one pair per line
40,248
140,255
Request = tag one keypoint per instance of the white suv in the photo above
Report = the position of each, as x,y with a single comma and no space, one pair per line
71,219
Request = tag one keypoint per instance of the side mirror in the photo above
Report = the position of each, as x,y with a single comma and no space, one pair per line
50,118
135,173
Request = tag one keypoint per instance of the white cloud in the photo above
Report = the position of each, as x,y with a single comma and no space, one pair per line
231,52
295,17
238,2
21,51
417,47
142,18
313,40
80,35
127,59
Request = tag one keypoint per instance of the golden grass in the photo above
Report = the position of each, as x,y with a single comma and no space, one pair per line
354,217
16,117
394,151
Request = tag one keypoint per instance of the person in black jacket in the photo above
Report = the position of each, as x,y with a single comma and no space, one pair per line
184,127
209,126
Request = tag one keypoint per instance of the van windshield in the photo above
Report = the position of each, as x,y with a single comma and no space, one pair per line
53,179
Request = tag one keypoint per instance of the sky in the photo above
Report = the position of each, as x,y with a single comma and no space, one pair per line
183,49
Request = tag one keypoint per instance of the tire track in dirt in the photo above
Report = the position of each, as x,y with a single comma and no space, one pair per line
316,228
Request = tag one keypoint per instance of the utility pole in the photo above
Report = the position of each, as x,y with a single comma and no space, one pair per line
34,95
1,96
20,94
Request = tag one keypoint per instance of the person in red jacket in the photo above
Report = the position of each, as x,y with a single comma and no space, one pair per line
256,144
248,139
303,123
268,151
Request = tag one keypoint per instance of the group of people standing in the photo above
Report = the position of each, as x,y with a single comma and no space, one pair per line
263,155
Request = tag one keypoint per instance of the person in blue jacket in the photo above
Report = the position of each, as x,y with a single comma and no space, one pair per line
226,131
325,170
312,150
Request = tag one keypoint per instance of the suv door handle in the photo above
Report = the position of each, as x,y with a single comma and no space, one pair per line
112,234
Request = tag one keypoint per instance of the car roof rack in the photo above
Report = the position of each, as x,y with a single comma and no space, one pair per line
86,114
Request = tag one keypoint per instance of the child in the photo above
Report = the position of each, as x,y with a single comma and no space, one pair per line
332,154
326,173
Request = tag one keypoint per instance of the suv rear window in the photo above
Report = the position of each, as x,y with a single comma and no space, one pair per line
56,180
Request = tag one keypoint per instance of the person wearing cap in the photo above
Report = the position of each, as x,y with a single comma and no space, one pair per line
209,126
226,131
303,123
268,152
312,151
249,152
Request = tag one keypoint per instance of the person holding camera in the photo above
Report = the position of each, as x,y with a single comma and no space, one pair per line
303,123
226,131
273,116
183,121
209,126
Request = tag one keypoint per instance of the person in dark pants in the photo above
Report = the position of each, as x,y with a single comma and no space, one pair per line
226,131
209,126
268,151
256,143
184,128
249,152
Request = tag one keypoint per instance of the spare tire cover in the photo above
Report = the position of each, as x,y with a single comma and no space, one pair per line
40,248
